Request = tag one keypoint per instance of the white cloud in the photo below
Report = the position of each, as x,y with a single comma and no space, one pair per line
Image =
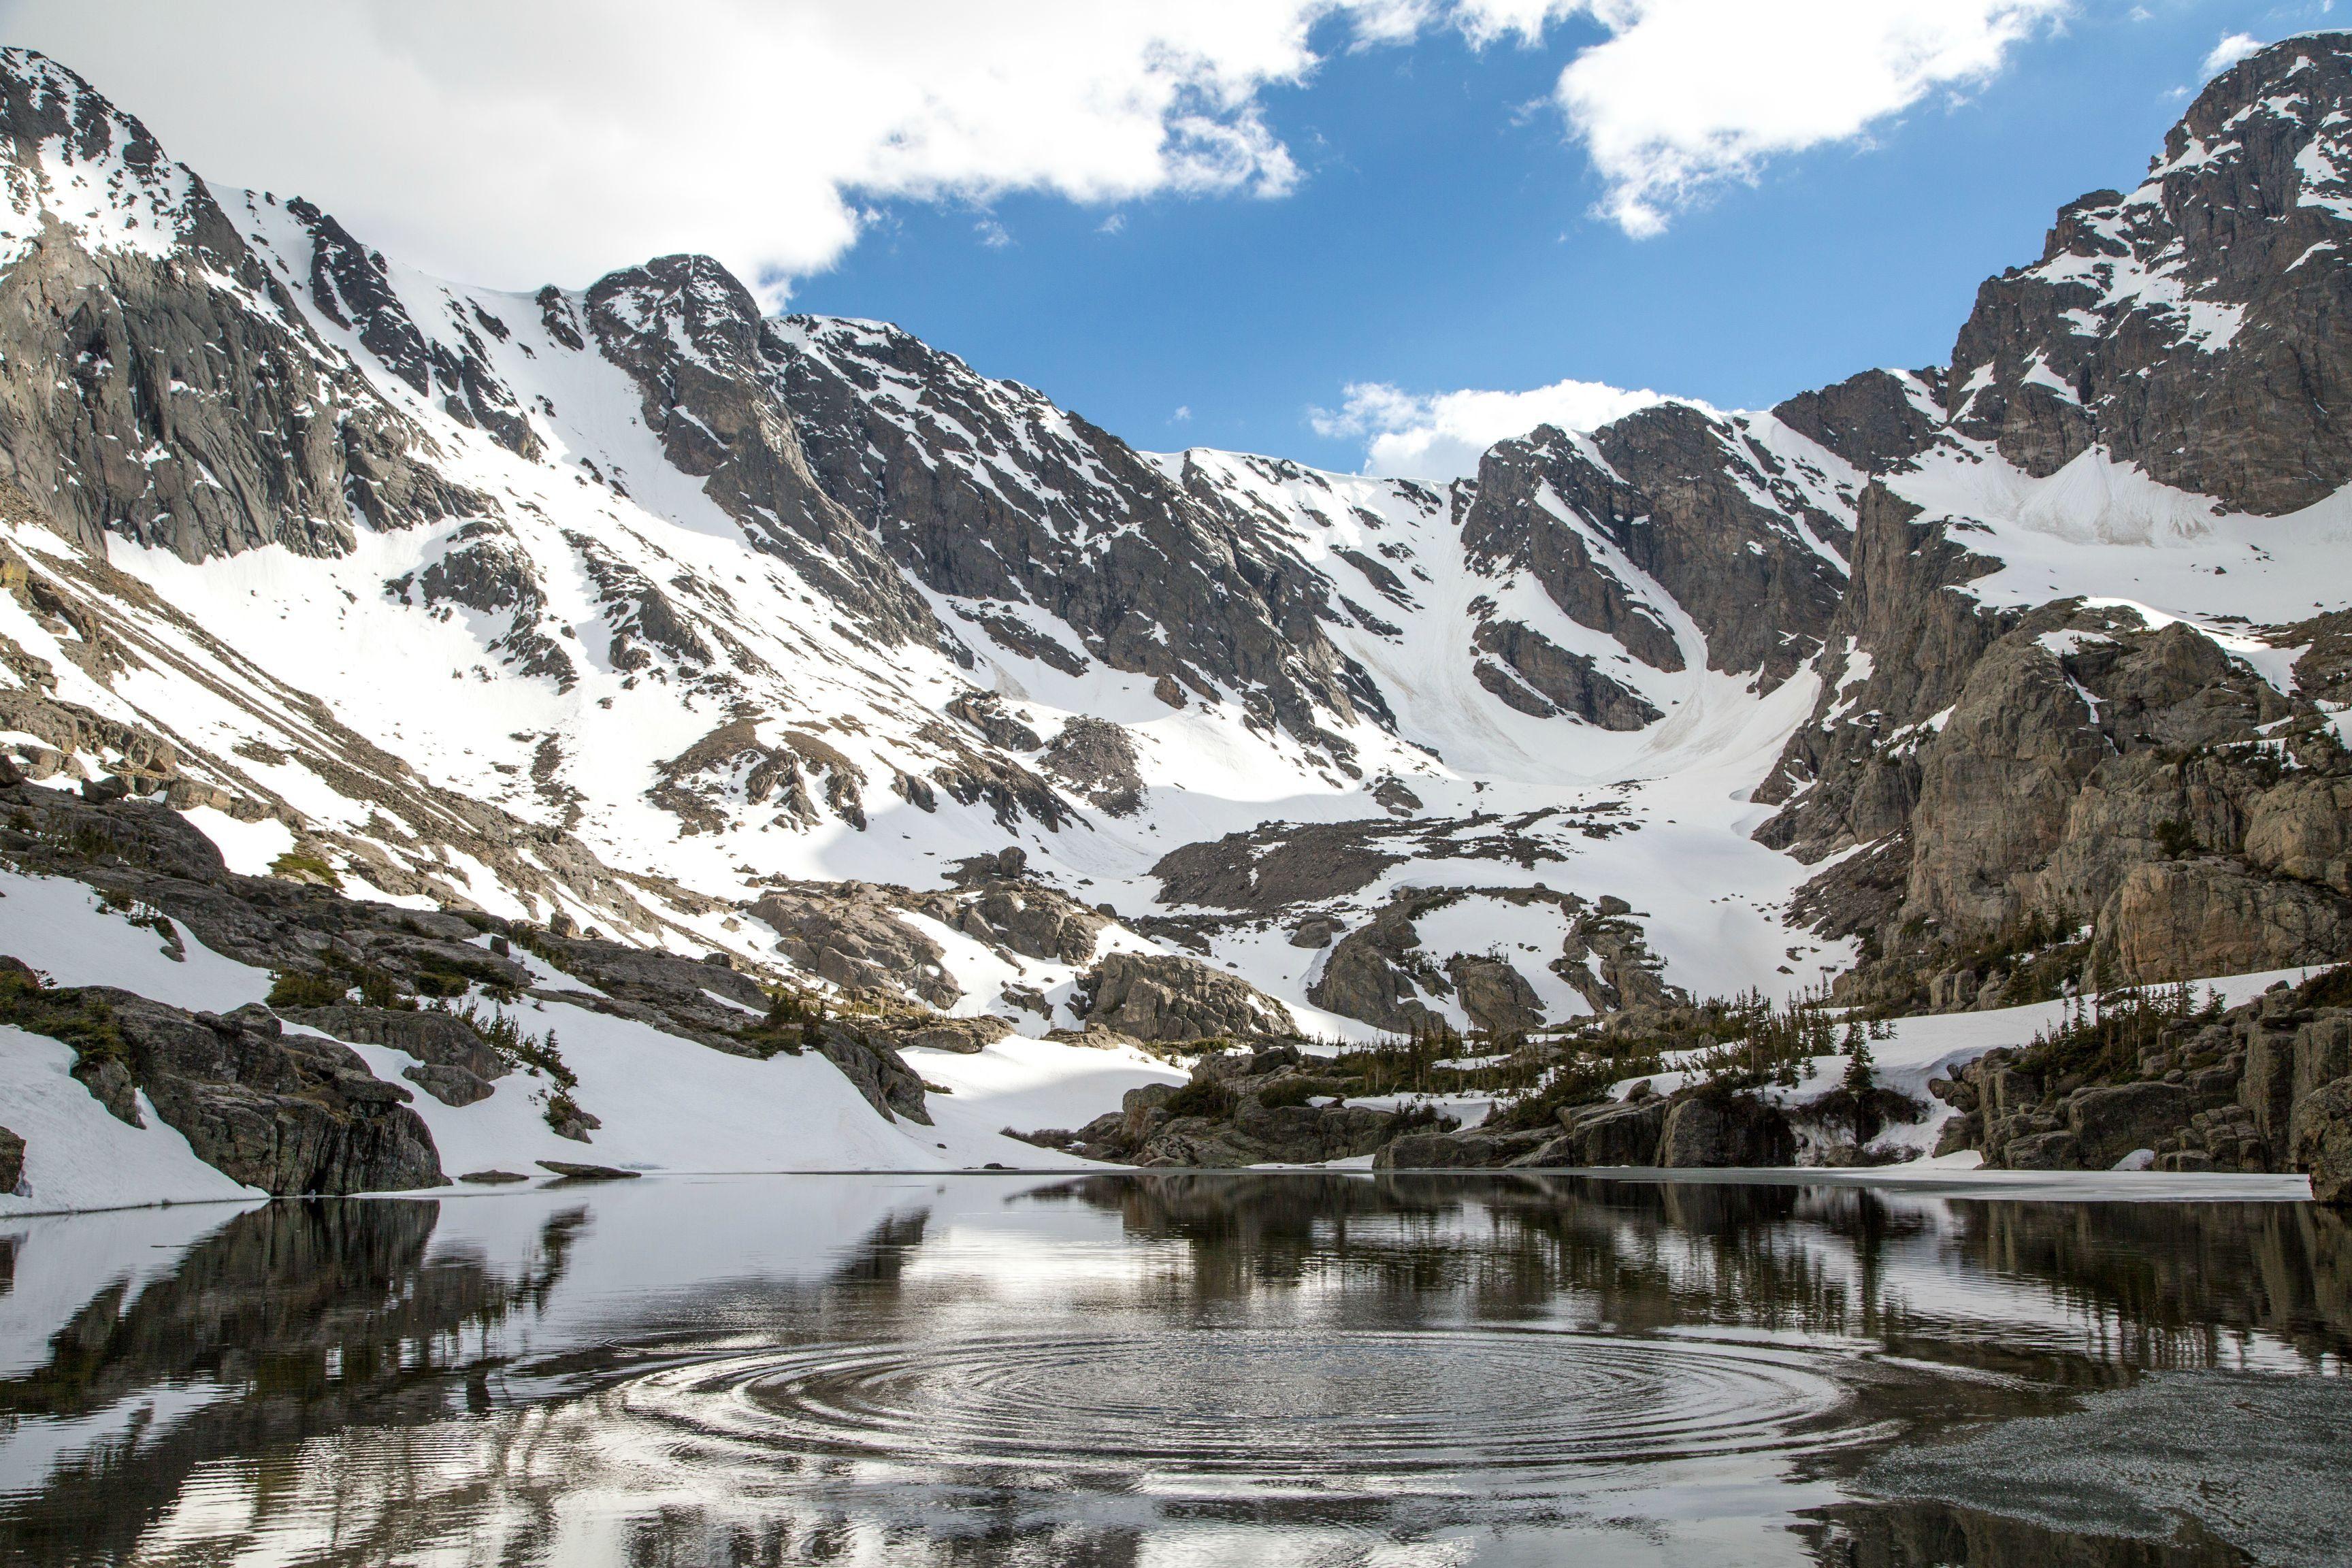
2233,47
1441,436
523,141
1687,94
516,142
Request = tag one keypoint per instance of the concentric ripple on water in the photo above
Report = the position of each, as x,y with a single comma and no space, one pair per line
1271,1406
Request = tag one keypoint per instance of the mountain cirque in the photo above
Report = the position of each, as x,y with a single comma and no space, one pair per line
638,619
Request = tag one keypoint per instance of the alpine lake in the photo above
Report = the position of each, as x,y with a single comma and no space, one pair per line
1109,1369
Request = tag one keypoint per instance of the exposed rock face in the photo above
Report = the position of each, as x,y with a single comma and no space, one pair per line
984,713
1710,1132
438,1040
1023,916
1238,1109
181,344
715,377
1614,1132
2320,1142
1537,676
1454,1151
1876,421
286,1113
796,771
985,490
1098,758
2066,764
450,1085
1608,959
2108,1124
848,933
892,1087
1706,1127
2258,1089
12,1161
351,287
455,1065
1678,495
1497,997
2172,325
1379,972
964,1036
1277,864
1158,997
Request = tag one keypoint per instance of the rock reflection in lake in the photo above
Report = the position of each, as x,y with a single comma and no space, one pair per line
1139,1368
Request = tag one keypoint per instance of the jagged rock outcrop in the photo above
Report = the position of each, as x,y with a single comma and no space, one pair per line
1745,539
892,1087
1607,958
290,1114
455,1065
1018,916
1535,674
1496,997
2257,1088
704,783
1097,759
2196,326
1382,973
987,492
986,713
850,933
1877,420
351,287
1270,1106
715,380
2080,768
1164,997
1708,1131
2319,1141
178,343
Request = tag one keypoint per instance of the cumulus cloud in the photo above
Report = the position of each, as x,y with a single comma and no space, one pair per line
1441,435
1685,95
2233,47
526,141
516,142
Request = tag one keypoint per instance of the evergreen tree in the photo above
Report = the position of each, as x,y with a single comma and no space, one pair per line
1859,1078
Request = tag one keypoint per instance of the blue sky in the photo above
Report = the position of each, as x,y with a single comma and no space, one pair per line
1239,208
1442,237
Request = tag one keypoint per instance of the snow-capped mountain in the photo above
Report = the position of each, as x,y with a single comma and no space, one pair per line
631,608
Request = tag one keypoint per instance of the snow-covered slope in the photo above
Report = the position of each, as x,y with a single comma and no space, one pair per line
667,605
627,608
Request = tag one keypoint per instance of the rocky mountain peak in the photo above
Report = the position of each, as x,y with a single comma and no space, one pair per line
2158,320
72,158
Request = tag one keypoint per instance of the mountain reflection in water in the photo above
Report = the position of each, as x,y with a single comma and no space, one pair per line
1144,1369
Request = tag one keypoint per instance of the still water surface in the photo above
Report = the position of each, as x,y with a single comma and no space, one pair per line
1115,1370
